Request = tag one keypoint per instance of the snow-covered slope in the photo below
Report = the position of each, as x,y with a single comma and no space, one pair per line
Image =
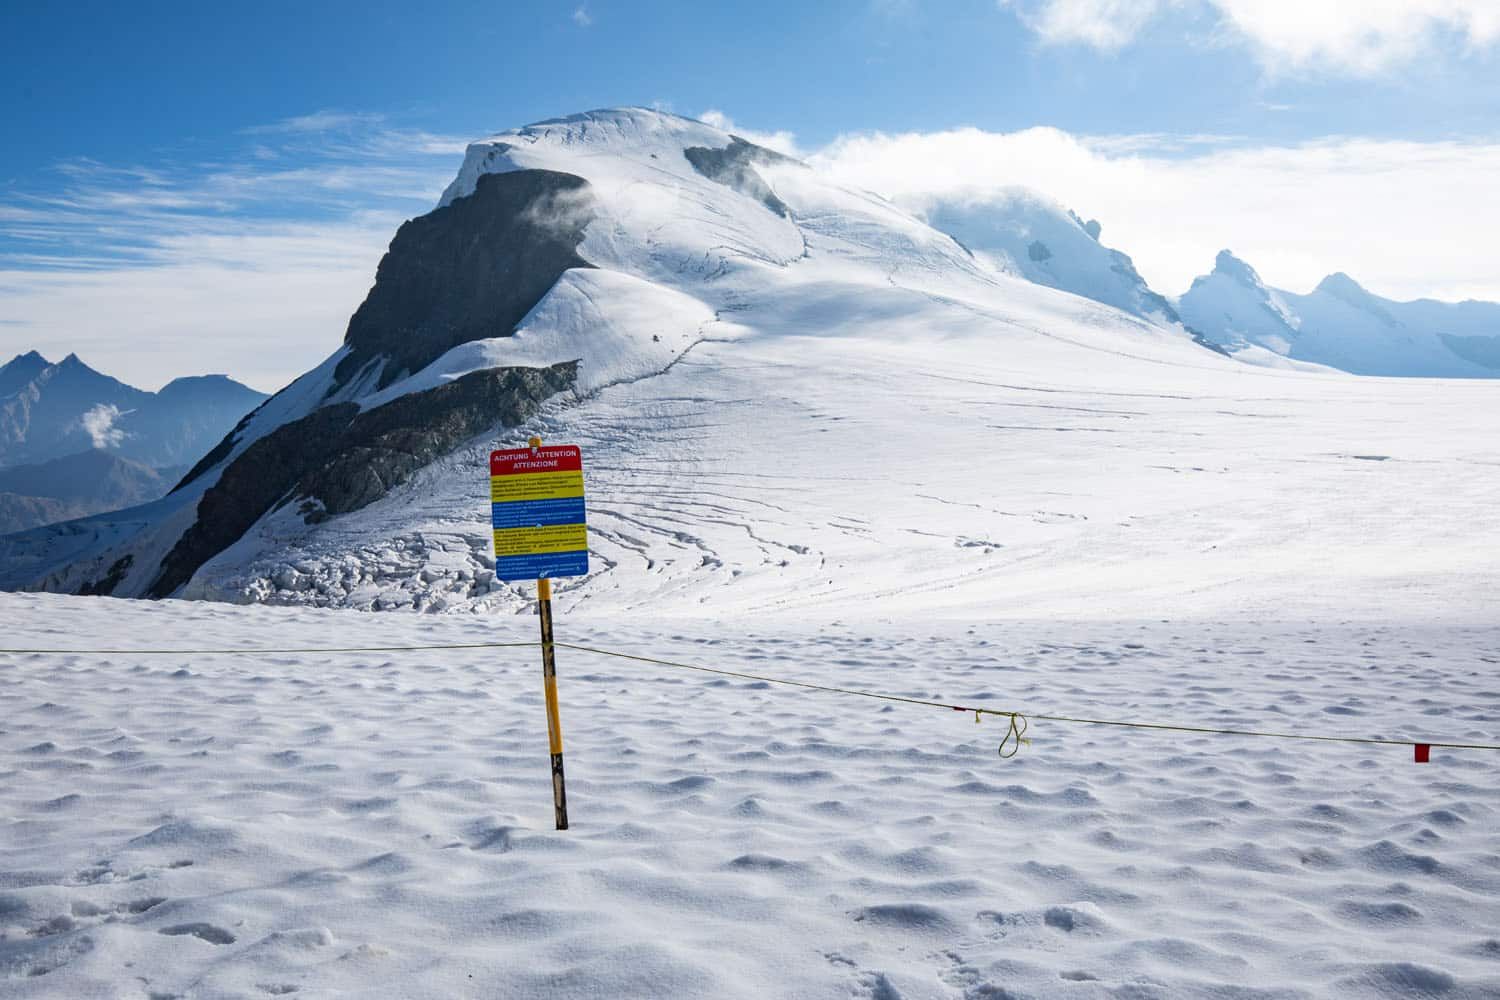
1027,234
567,257
380,824
1341,325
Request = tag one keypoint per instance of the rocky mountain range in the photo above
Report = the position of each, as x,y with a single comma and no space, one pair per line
74,441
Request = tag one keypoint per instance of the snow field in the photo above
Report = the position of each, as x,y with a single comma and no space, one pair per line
380,824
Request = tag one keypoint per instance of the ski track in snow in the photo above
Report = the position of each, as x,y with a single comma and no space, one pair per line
380,824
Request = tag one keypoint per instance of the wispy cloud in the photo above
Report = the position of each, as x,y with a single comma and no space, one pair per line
1350,37
318,121
251,262
582,17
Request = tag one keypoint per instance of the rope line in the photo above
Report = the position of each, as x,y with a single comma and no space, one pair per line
1012,741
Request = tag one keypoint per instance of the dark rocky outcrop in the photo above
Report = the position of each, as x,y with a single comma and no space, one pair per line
338,459
732,167
106,584
220,451
467,271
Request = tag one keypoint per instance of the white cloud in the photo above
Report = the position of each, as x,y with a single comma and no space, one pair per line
99,422
250,265
263,305
318,121
582,17
782,142
1103,24
1407,219
1358,37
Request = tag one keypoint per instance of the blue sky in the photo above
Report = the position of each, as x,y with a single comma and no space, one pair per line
175,172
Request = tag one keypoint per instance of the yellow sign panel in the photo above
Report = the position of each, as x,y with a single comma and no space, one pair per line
537,541
545,486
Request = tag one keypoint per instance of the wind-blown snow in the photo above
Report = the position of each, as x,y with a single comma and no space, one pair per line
380,824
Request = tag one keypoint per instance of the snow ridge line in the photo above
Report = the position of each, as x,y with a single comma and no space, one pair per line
1013,738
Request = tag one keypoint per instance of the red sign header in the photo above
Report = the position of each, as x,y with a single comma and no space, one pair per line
527,461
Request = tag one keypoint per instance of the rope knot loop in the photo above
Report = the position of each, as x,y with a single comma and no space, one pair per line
1014,736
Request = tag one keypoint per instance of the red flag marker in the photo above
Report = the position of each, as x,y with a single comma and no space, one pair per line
1424,750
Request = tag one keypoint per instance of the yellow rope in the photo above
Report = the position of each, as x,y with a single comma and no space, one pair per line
1013,738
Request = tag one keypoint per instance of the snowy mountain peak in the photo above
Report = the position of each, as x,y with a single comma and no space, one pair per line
1233,308
1340,284
1350,292
1231,267
1340,324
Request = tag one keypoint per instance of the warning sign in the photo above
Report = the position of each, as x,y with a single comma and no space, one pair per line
536,510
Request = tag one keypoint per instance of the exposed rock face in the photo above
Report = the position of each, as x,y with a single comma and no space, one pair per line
732,167
340,459
467,271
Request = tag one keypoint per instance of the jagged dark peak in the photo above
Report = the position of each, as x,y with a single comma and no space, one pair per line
20,370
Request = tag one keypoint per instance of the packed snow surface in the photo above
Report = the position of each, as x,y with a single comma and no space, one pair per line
380,824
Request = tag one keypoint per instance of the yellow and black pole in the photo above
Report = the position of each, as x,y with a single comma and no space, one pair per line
549,687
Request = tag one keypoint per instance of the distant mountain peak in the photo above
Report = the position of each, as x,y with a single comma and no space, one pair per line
20,370
1340,284
1344,288
1227,264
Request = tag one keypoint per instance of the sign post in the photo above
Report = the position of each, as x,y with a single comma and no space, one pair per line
537,513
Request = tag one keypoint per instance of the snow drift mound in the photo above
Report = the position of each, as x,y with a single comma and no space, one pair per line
676,299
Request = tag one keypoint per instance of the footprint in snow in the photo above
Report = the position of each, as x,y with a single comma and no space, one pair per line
202,931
